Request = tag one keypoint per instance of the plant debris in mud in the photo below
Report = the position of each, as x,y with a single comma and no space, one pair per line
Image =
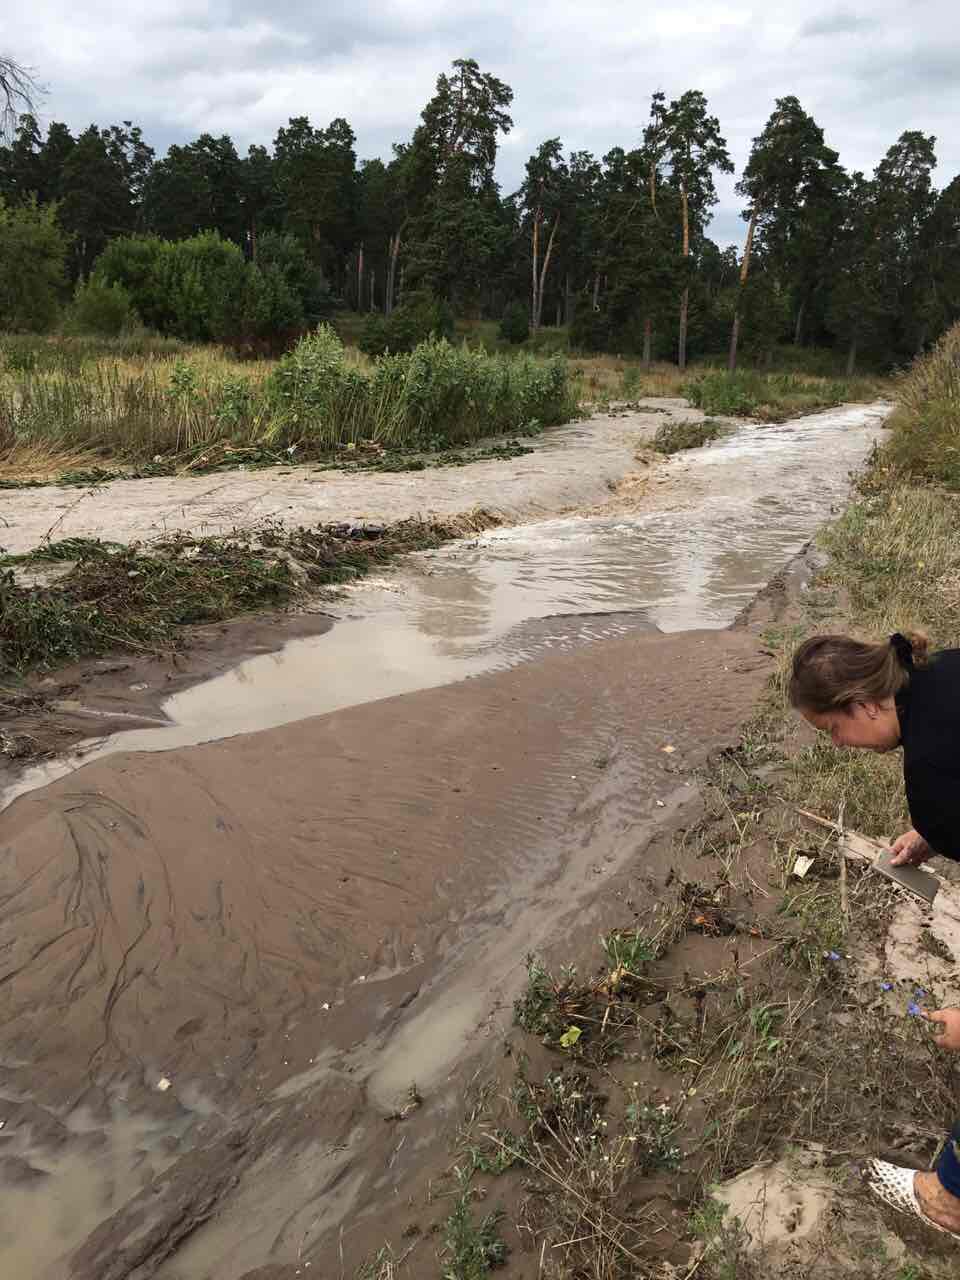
586,1018
140,597
672,437
212,459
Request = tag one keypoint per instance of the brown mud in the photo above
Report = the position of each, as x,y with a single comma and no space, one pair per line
291,946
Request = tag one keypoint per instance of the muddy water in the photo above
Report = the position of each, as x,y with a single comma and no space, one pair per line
735,513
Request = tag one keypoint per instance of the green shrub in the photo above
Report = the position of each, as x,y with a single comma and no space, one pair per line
252,308
176,286
99,308
133,263
33,252
287,255
433,396
515,324
733,394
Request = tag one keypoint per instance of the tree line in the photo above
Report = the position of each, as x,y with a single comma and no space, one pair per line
614,247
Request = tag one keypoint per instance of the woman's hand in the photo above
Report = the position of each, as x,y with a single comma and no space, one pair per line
947,1034
910,850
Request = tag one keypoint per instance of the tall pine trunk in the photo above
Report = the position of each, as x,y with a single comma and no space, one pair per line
852,357
744,274
388,296
567,301
540,283
535,235
798,327
647,343
360,279
685,297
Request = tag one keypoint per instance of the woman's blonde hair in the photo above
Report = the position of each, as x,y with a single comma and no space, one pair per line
833,673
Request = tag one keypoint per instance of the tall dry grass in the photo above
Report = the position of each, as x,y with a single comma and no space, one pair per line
925,429
67,399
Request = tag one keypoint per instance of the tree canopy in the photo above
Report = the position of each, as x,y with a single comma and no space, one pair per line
615,246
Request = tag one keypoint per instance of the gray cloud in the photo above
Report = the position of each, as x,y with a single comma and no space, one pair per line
583,73
841,22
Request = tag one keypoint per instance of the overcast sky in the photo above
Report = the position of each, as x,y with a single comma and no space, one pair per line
581,70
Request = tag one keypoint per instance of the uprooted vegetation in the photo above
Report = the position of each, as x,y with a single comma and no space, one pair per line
80,596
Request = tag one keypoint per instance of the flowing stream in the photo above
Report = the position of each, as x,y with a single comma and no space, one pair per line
743,507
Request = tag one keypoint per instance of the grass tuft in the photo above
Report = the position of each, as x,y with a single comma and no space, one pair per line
673,437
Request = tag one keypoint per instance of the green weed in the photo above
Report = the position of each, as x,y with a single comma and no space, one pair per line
471,1249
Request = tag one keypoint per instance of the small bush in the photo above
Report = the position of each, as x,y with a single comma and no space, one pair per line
672,437
252,308
515,325
101,309
733,394
419,317
471,1250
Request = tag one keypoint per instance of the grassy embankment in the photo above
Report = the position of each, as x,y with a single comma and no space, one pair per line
803,1054
156,407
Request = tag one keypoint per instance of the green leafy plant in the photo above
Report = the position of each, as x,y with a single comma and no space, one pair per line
471,1249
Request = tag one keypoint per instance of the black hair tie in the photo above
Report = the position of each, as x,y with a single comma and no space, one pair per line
904,649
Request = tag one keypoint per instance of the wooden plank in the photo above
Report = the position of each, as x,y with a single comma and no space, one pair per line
858,848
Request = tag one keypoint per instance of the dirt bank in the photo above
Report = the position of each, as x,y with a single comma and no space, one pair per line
574,465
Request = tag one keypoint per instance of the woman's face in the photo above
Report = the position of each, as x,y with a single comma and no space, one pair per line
871,726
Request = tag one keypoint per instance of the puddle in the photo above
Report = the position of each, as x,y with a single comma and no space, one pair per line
86,1173
744,507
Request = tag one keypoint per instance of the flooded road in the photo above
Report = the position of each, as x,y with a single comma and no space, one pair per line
230,943
735,513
